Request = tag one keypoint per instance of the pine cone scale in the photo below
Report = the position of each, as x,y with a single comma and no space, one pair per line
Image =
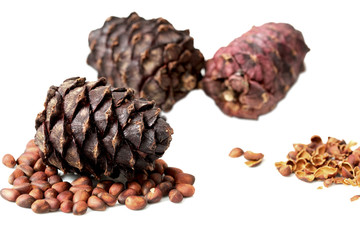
81,125
57,137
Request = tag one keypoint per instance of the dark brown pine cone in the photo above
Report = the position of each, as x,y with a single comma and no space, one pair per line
150,56
92,128
255,71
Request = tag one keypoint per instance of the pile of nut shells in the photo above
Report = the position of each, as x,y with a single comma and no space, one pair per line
332,162
41,187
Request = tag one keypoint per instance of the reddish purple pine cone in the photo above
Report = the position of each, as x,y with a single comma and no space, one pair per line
255,71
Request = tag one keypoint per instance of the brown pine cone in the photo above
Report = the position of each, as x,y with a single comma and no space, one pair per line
255,71
92,128
150,56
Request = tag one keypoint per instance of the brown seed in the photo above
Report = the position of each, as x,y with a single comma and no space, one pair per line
172,171
43,185
160,165
81,196
31,143
50,171
50,193
32,149
38,176
168,178
105,184
54,204
184,178
36,193
61,186
135,202
146,186
109,199
154,195
9,161
251,156
66,206
25,200
116,189
32,153
156,177
96,191
54,179
134,185
186,190
165,187
125,194
80,208
76,188
9,194
161,162
236,152
15,174
84,180
96,204
21,180
23,188
28,170
28,158
65,195
175,196
39,165
140,177
40,206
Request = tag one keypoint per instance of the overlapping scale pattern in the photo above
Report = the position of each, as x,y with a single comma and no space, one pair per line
150,56
254,72
95,129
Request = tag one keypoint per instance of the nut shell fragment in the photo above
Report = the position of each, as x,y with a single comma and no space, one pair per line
354,198
325,172
253,163
251,156
304,177
236,152
285,170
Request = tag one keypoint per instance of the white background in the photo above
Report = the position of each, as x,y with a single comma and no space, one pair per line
43,43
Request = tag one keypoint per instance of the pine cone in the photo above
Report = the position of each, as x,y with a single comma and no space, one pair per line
254,72
92,128
150,56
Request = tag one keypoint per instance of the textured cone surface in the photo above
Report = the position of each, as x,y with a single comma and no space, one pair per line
254,72
94,129
150,56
